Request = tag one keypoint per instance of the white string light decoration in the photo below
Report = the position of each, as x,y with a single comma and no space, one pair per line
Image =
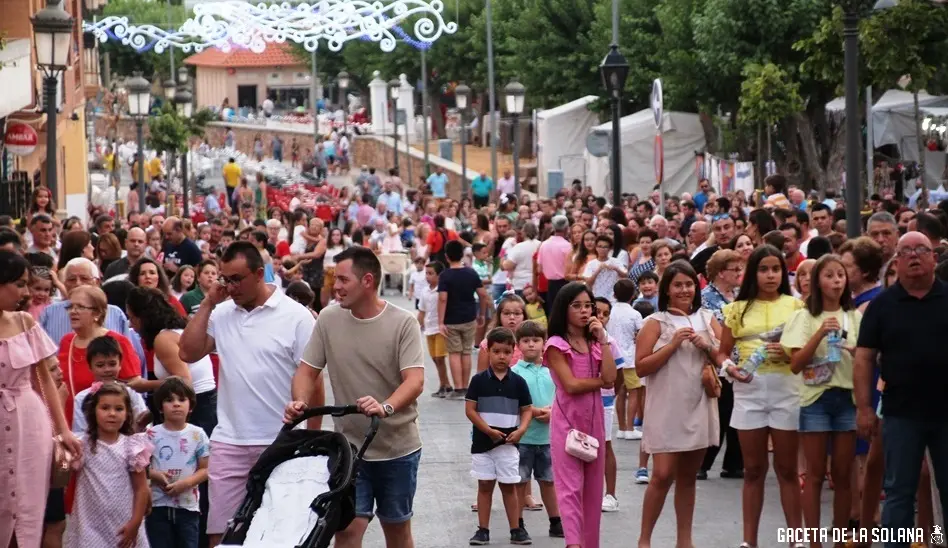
225,25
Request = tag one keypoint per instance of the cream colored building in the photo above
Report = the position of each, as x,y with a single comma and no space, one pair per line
246,79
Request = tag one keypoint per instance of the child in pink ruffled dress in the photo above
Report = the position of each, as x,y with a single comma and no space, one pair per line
112,493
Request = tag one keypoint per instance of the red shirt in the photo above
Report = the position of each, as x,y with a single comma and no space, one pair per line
436,242
76,373
282,249
792,264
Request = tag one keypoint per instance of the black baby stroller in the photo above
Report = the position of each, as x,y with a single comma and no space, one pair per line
330,511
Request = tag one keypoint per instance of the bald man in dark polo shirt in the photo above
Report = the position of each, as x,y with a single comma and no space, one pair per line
904,327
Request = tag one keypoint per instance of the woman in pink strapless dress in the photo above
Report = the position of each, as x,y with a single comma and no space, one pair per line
26,431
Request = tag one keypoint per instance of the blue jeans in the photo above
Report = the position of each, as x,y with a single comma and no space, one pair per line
169,527
904,442
388,486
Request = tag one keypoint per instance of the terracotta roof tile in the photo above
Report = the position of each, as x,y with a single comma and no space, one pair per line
275,55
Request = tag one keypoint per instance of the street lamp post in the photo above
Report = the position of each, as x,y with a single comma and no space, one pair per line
139,103
343,81
853,134
52,27
614,70
183,100
515,93
462,97
393,89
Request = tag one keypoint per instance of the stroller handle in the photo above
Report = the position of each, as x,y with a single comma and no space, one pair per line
310,412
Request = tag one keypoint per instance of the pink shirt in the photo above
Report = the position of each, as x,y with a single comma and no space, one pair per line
552,257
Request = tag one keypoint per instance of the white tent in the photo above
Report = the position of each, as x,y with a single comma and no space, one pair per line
893,123
561,140
682,137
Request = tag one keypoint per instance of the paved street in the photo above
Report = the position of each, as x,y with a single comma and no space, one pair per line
443,516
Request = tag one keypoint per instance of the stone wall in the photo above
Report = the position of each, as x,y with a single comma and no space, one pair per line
376,151
371,150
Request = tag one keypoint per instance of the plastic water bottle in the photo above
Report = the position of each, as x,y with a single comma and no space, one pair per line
755,360
834,343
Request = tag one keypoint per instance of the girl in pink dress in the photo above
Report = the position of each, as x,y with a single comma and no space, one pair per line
26,431
582,364
112,493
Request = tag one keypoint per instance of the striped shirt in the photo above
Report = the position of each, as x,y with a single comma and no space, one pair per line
55,320
499,402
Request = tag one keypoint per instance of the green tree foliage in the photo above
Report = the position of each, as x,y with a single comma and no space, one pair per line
768,95
125,59
909,39
169,132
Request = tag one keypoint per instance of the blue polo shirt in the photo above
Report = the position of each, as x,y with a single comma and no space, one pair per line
542,392
438,184
499,401
482,186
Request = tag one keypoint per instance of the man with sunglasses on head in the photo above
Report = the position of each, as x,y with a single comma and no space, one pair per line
259,334
902,330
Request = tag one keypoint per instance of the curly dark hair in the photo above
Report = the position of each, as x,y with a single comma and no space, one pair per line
91,402
154,312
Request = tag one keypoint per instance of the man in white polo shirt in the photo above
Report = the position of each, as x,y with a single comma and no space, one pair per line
260,335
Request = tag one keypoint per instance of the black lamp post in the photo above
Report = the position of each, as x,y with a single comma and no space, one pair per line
183,100
139,104
515,92
853,134
343,80
394,86
462,98
52,29
614,70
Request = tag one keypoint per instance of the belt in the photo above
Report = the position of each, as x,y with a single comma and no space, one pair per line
8,397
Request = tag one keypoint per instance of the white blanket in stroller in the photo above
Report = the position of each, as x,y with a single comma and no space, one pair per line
284,518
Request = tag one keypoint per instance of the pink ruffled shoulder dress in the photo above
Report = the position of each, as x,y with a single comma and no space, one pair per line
104,495
26,438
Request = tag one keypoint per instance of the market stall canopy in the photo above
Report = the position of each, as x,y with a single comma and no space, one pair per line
893,118
561,140
682,136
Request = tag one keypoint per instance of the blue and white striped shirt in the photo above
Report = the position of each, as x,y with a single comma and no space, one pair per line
55,320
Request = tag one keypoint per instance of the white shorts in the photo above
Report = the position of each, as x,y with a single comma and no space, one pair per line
769,400
501,463
610,418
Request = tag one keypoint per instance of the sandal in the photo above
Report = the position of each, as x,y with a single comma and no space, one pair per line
531,504
474,507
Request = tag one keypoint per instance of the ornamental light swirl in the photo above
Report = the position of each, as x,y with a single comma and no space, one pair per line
252,26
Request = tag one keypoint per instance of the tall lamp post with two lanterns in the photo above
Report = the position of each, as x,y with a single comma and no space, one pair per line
53,28
139,104
183,100
462,98
515,93
614,70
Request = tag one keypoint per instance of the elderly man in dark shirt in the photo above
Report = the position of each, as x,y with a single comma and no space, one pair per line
903,327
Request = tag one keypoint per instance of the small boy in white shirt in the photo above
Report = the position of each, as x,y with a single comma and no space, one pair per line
428,318
418,281
104,356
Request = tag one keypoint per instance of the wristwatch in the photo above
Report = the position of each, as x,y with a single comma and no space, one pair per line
388,409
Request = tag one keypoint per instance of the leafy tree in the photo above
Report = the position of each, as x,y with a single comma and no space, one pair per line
768,96
169,132
125,59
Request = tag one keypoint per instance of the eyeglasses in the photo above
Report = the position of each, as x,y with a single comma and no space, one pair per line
736,270
581,306
909,251
230,280
80,279
70,306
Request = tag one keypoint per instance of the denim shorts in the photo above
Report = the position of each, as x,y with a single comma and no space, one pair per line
388,487
833,411
535,461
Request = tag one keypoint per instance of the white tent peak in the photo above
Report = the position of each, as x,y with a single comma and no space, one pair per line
561,140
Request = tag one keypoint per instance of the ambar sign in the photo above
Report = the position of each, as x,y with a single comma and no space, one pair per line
20,139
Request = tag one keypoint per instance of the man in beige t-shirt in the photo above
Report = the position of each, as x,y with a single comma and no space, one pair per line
374,352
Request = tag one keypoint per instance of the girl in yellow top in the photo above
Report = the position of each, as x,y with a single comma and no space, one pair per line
820,340
766,402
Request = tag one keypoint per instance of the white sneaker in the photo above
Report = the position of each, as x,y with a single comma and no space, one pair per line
634,435
620,435
610,504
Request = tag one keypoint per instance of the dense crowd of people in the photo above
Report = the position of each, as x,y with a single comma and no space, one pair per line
175,351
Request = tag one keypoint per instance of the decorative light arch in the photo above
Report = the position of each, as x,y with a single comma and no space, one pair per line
234,23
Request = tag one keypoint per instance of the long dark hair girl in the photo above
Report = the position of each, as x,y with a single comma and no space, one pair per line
156,314
559,312
749,286
814,303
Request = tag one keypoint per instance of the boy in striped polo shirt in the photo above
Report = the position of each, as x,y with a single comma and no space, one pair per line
499,406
